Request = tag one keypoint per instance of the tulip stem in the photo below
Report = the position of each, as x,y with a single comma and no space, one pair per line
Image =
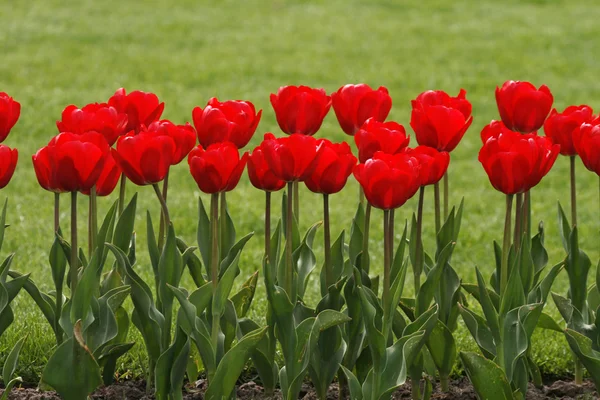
163,203
436,198
526,222
223,226
288,243
161,228
296,203
329,278
74,259
56,211
417,267
267,224
446,201
364,261
573,193
93,221
361,195
386,257
122,188
214,262
506,244
518,221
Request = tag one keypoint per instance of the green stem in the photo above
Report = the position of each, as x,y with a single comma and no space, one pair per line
94,219
518,221
415,389
573,193
223,225
288,242
417,268
506,244
526,221
446,196
444,383
214,262
267,224
386,257
329,278
365,248
436,198
163,204
56,211
74,259
296,203
161,228
59,288
122,187
361,195
578,371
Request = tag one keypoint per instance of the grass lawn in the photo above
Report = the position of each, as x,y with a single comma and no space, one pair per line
188,51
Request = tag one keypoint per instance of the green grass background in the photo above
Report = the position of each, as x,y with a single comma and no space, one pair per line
54,54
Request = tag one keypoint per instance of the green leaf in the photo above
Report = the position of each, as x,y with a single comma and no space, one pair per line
353,385
58,265
355,246
242,300
478,328
488,308
547,322
203,234
125,225
72,370
44,302
442,348
232,364
564,228
227,230
193,263
9,387
3,223
153,250
582,347
488,379
326,359
224,287
577,265
10,364
305,260
427,291
262,357
234,252
513,296
170,368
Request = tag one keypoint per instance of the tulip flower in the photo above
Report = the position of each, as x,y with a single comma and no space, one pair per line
493,129
586,141
373,136
108,179
8,163
332,168
142,108
43,171
218,168
233,120
355,104
522,107
97,117
300,109
559,127
10,110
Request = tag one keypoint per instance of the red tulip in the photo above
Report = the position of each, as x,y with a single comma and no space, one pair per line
291,158
434,164
354,104
234,121
184,137
145,158
559,127
97,117
586,141
10,110
439,120
373,136
8,163
75,161
108,179
389,180
517,162
259,172
493,129
43,170
300,109
333,166
141,108
218,168
522,107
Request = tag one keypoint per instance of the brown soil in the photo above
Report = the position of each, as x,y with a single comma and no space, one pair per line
459,390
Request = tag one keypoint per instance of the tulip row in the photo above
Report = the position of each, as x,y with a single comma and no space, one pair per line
363,330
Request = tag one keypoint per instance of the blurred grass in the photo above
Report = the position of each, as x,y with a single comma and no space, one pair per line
54,54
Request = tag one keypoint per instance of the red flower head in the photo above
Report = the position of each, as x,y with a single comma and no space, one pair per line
300,109
559,127
233,120
354,104
71,162
373,136
586,141
145,158
108,179
493,129
291,158
333,166
434,164
439,120
517,162
8,163
389,180
218,168
522,107
97,117
141,108
10,110
259,172
184,137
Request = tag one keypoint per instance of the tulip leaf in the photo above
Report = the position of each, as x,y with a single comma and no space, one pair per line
490,313
353,385
488,379
193,263
203,234
427,291
170,368
482,334
564,228
305,260
577,265
442,348
547,322
125,225
227,230
355,330
10,363
590,358
242,300
262,357
326,359
44,302
355,246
